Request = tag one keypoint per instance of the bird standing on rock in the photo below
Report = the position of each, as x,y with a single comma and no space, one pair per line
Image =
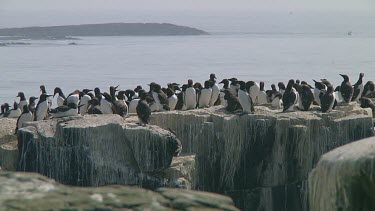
215,90
319,88
23,101
346,89
60,98
205,95
358,88
245,99
26,116
327,99
84,102
64,111
289,97
232,101
368,89
42,107
143,110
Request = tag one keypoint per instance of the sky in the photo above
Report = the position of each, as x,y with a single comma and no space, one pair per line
173,5
212,15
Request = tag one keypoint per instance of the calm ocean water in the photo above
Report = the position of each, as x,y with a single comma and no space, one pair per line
249,49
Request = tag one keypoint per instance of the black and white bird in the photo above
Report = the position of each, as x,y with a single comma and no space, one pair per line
276,101
136,91
358,88
94,107
43,91
190,96
60,98
245,99
143,110
23,101
369,89
32,104
223,102
367,103
84,102
120,104
319,88
64,111
98,94
132,102
172,98
215,90
161,99
289,97
106,105
262,96
282,87
181,99
233,85
205,95
26,116
327,99
42,107
73,97
15,112
306,97
232,100
253,89
346,89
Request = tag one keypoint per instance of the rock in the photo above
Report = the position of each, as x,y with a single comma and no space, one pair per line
182,172
30,191
263,160
96,150
8,144
344,178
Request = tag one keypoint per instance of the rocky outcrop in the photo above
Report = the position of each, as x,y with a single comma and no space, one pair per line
8,144
344,179
96,150
105,29
21,191
263,160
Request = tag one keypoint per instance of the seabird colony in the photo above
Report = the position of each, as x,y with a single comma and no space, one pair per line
236,96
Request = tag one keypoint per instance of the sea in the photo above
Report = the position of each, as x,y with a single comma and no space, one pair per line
269,47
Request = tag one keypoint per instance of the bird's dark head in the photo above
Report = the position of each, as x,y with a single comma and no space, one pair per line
57,90
345,77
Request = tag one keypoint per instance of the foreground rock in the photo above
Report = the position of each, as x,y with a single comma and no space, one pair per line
96,150
344,179
21,191
262,161
8,144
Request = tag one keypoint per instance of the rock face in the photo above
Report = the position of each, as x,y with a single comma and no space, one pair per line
21,191
344,179
8,144
96,150
262,161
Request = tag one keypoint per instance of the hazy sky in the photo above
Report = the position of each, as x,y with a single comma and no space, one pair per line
188,5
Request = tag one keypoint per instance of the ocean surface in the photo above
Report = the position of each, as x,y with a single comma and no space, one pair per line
260,48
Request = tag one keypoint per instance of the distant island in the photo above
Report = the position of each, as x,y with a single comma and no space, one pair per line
106,29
